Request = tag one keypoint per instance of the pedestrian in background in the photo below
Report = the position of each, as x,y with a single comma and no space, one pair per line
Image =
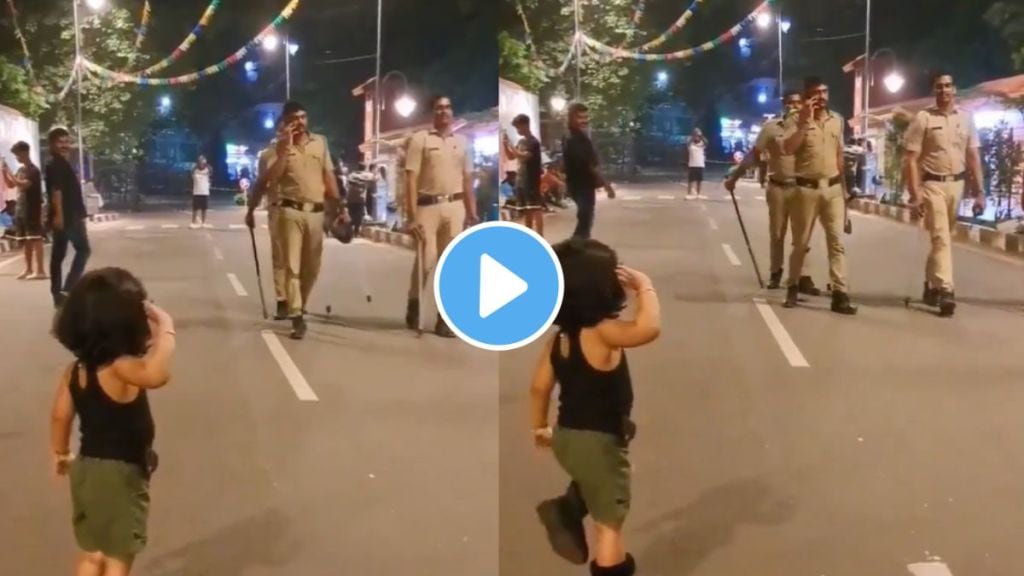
66,216
528,155
587,359
123,346
200,192
28,219
695,160
582,169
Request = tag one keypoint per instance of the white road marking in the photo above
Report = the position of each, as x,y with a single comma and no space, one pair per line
631,198
208,236
666,197
782,338
136,227
169,226
929,569
712,223
704,207
217,253
9,261
239,289
236,226
733,259
759,197
288,367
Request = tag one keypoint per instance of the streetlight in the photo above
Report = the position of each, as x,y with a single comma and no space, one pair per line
270,44
558,103
268,123
894,82
94,5
405,105
165,102
764,21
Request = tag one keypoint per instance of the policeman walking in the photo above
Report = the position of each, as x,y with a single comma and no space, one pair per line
941,149
302,170
781,186
816,142
439,199
273,221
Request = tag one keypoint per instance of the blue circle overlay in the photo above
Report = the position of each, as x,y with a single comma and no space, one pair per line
521,252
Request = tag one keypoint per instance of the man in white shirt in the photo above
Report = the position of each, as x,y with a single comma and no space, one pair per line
200,192
695,175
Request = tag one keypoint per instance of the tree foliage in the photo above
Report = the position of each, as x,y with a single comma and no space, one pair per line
1008,18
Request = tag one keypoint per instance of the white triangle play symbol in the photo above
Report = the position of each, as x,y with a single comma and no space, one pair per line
498,286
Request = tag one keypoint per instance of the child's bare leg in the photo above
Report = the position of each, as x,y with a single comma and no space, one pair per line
27,250
37,246
609,549
89,564
118,567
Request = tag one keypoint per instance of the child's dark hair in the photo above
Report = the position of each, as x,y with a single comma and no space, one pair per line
593,292
104,318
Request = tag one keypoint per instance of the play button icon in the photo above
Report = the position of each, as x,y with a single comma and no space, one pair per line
498,286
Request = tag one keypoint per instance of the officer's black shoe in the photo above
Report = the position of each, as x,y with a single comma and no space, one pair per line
627,568
931,296
566,534
807,287
947,303
412,314
841,304
775,282
792,296
441,329
298,328
282,310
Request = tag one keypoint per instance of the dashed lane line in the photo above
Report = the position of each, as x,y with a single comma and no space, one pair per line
733,259
712,223
237,285
782,338
291,372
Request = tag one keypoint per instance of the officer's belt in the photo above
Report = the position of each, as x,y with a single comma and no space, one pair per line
929,177
784,183
430,199
301,206
815,184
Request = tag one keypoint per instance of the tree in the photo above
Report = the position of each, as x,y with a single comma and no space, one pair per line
114,115
1003,159
17,91
895,148
516,63
1007,16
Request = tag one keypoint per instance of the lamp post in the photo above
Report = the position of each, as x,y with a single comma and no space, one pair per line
270,44
764,20
893,81
867,68
95,5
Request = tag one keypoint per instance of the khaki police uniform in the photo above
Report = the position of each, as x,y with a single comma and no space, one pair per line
820,194
300,218
781,186
942,140
273,223
442,162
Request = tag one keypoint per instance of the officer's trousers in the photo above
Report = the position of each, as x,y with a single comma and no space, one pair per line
827,204
778,220
277,253
941,200
302,241
441,223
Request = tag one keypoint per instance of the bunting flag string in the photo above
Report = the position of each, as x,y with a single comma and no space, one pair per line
200,74
673,29
143,25
688,53
27,62
187,43
634,23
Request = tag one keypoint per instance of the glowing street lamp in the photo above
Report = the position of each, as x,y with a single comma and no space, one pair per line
96,4
558,103
764,20
271,42
405,105
894,82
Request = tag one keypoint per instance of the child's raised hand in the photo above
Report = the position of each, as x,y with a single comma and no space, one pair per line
632,279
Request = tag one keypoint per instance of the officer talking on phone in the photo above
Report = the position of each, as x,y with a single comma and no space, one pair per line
816,142
301,169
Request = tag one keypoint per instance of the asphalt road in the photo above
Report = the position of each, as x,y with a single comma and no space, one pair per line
391,469
778,442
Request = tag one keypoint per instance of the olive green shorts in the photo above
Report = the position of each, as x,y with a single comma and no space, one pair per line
599,464
110,507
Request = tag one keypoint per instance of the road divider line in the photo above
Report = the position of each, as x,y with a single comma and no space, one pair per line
666,197
236,226
782,338
239,289
217,253
9,261
291,372
712,223
733,258
169,226
704,207
136,227
929,569
759,197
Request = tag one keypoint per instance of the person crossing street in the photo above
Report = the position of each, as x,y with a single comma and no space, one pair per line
941,153
302,170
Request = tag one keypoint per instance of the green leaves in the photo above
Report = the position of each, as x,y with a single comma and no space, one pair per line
1008,18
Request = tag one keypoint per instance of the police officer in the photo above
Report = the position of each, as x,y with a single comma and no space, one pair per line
816,142
439,199
941,149
302,170
781,186
273,219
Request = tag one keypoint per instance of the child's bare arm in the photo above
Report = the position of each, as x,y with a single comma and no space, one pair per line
541,387
154,369
61,417
646,326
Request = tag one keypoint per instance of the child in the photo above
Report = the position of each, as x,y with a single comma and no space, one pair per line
587,359
122,346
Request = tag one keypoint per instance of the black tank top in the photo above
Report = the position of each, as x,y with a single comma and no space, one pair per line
591,399
109,429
